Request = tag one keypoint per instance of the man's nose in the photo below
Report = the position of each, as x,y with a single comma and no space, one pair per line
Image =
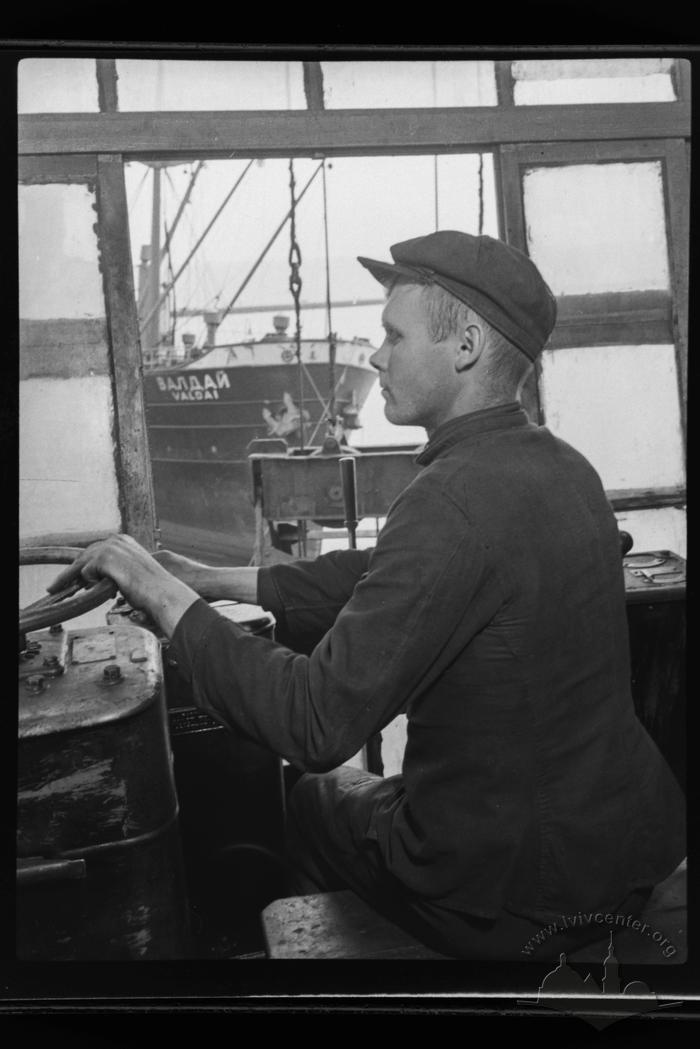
379,358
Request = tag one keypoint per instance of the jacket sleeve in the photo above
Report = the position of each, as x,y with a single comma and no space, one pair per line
427,574
305,597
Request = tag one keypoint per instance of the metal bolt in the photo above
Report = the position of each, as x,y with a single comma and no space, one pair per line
33,646
35,683
53,666
57,628
112,672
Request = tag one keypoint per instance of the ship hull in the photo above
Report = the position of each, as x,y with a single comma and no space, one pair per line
201,421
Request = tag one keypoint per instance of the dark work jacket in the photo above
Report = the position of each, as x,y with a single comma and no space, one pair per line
491,611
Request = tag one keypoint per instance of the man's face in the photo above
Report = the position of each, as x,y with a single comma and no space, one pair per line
417,375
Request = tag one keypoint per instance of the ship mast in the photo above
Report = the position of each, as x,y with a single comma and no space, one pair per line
152,327
159,298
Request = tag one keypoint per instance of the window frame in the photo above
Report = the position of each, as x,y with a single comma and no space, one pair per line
615,317
516,136
105,174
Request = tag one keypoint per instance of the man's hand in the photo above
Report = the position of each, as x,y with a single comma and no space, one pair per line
144,582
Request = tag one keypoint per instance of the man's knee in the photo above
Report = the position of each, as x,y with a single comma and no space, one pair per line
322,792
307,795
327,841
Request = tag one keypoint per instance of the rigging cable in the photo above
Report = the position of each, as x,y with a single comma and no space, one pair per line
435,184
267,247
195,248
137,194
173,306
185,199
331,335
295,288
481,193
433,72
195,290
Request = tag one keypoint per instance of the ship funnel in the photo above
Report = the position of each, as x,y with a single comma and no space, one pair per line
212,319
281,323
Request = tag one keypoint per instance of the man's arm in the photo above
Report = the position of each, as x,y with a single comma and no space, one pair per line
308,593
388,644
209,581
304,596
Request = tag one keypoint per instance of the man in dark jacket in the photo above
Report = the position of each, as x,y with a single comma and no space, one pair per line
491,611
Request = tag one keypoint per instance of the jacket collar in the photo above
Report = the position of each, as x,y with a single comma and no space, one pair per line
501,417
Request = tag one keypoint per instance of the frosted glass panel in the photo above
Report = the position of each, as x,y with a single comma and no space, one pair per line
458,197
661,529
619,406
57,85
380,85
559,81
67,477
146,84
67,469
58,254
597,227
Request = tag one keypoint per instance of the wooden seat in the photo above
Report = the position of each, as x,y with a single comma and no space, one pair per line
335,925
341,925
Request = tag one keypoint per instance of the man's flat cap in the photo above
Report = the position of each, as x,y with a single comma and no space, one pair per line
498,281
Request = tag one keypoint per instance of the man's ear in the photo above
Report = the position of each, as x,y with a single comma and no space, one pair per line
469,347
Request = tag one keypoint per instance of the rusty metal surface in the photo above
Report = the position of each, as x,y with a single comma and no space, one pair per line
77,693
130,906
106,783
656,575
294,487
100,871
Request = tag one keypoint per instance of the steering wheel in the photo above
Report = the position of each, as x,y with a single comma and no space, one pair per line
66,604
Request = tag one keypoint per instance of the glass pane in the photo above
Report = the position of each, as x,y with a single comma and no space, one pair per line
372,203
619,406
459,202
154,85
661,529
597,227
558,81
382,85
58,257
67,479
391,199
57,85
67,470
